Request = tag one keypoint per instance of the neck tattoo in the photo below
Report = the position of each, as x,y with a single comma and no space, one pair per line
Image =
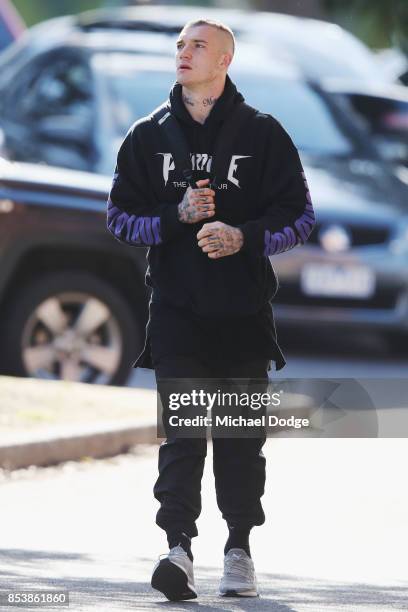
188,100
209,101
206,101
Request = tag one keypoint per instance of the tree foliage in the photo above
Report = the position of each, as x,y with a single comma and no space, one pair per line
381,23
34,12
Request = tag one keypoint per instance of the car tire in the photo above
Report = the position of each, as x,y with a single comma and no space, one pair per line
53,321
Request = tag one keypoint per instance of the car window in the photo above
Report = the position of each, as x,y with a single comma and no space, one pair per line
139,97
49,111
53,86
134,93
313,128
383,114
385,119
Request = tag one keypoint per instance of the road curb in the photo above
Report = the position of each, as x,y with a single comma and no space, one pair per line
74,444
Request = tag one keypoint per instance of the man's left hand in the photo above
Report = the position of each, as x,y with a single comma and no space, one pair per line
219,239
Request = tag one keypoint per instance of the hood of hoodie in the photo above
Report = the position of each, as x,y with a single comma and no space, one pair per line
201,136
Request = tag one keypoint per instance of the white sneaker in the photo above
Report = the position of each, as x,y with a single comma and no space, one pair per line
174,575
239,579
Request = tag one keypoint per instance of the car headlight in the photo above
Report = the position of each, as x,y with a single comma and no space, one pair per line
399,244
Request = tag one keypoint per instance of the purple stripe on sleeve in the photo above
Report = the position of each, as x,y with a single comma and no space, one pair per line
305,223
278,242
120,223
112,210
129,226
139,230
136,230
156,230
146,232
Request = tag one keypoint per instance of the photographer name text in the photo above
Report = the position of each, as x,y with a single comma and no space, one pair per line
238,421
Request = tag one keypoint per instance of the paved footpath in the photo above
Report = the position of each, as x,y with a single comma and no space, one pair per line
336,536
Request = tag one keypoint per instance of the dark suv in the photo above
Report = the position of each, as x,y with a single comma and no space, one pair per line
72,299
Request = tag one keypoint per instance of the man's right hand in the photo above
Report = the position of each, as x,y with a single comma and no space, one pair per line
197,204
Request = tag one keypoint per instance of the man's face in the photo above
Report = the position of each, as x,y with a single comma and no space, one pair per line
201,55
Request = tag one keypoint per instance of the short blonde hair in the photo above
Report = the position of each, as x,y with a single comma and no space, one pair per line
214,24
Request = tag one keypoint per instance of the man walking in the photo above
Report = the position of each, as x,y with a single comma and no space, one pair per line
212,283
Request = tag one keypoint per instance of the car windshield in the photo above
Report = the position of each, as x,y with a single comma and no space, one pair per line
313,129
134,90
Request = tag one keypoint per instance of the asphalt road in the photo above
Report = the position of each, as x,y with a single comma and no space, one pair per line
335,539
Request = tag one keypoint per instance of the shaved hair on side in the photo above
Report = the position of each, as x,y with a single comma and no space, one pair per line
214,24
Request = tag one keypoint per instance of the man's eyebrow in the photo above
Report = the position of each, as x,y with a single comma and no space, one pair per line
194,40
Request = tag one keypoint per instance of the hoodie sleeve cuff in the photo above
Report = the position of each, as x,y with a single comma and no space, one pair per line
251,238
171,225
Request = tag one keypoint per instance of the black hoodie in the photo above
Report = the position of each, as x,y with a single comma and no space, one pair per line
265,194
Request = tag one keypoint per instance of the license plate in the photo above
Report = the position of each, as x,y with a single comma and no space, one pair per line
334,280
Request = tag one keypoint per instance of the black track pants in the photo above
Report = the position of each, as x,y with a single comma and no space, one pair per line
238,463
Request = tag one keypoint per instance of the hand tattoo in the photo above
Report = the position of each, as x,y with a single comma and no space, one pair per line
196,205
219,239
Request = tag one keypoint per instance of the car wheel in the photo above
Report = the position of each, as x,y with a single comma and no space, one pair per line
70,326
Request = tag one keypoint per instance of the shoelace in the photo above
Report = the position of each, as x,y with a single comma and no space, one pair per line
238,567
176,551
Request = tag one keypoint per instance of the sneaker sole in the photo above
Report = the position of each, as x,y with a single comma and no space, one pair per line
233,593
170,580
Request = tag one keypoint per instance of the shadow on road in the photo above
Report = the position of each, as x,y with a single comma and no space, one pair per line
114,583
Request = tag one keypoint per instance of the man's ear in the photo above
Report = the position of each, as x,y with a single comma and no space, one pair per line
226,60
